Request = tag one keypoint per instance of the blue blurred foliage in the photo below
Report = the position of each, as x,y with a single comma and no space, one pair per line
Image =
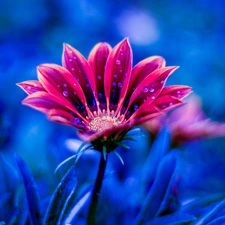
186,33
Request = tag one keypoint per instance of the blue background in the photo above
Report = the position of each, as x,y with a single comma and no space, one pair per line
189,34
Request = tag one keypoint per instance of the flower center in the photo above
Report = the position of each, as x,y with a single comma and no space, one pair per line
101,123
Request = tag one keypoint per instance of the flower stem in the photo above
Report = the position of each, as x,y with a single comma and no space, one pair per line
96,190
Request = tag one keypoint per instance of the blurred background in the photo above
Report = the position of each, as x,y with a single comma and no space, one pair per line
189,34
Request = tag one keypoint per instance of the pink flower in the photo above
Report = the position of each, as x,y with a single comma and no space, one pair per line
187,123
103,96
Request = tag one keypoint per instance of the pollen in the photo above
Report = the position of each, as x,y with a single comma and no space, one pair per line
101,123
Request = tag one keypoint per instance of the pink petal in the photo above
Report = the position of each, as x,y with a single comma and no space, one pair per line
117,75
177,91
44,102
64,117
60,82
149,88
144,68
97,60
78,66
167,102
31,86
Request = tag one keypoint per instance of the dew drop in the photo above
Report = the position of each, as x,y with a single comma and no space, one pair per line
162,81
78,80
75,84
35,85
29,87
163,106
135,107
178,92
65,93
75,57
70,51
115,75
70,60
170,104
58,85
153,97
75,93
151,89
77,120
145,89
99,77
65,84
87,85
120,85
121,71
114,84
72,69
117,62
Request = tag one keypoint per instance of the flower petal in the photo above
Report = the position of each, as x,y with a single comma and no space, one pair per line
177,91
31,86
78,66
64,117
149,89
144,68
97,60
44,102
117,75
60,82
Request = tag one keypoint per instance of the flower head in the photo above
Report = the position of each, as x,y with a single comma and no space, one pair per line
187,123
103,96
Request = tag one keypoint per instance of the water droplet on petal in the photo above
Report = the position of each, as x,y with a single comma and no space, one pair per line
99,77
70,60
58,85
100,95
75,57
35,85
145,89
163,106
87,85
114,84
170,104
29,87
151,89
65,84
153,97
120,85
178,92
115,75
70,51
72,69
117,62
162,81
65,93
75,93
135,107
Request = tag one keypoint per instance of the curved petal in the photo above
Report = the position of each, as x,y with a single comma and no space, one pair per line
149,89
78,66
97,60
44,102
64,117
31,86
144,68
117,75
111,132
59,82
176,91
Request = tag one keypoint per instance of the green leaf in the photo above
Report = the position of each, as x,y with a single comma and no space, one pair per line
32,194
104,152
61,198
123,145
118,155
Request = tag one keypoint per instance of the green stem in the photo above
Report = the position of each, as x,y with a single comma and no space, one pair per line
96,190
